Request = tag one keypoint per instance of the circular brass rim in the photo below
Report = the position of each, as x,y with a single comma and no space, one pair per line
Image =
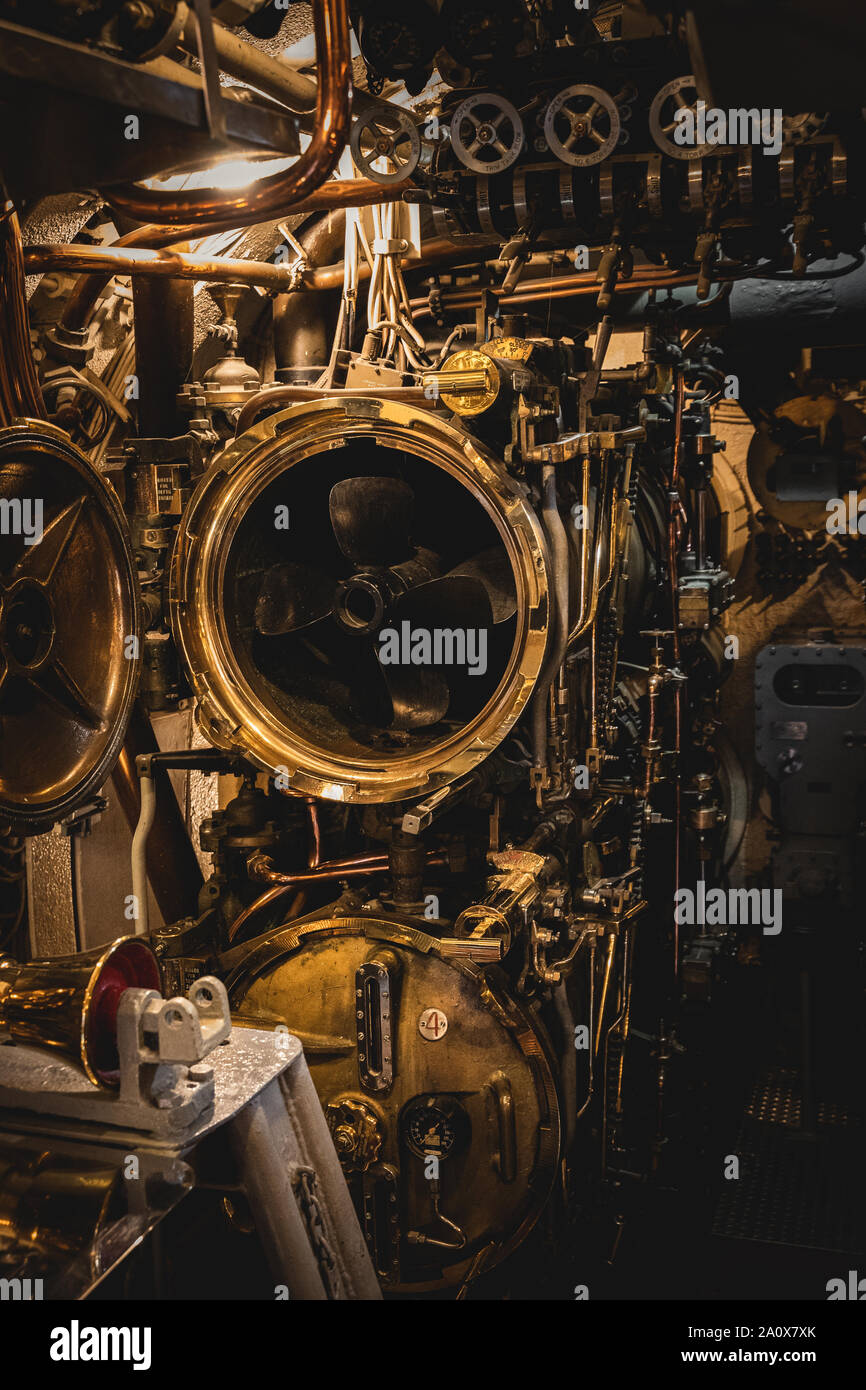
231,714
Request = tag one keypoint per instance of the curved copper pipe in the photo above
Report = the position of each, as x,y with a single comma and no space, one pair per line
333,196
280,890
281,884
20,393
260,867
257,905
278,192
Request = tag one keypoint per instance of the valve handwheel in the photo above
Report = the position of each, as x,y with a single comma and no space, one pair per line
486,133
679,95
582,125
382,153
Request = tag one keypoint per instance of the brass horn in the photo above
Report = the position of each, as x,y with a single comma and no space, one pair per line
70,1002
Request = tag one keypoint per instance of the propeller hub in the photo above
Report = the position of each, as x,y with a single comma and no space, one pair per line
28,628
360,604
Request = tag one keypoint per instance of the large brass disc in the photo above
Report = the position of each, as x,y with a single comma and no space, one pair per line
69,626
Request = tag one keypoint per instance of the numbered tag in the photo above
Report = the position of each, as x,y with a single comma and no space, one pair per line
433,1025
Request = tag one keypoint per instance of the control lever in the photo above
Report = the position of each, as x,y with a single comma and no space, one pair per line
517,252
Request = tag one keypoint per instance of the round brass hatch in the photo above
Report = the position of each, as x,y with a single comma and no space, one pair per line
69,606
314,534
451,1037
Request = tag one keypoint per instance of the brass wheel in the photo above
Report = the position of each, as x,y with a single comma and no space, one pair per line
69,626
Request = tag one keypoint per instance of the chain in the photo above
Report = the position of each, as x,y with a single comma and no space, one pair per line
608,646
304,1184
637,845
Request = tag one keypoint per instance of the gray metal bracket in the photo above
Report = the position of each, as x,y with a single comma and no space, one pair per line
165,1086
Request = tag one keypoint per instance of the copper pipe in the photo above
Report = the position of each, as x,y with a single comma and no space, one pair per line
608,967
444,251
315,856
297,905
20,393
567,287
337,195
260,867
361,866
436,251
326,873
652,696
257,905
332,196
277,192
280,890
167,265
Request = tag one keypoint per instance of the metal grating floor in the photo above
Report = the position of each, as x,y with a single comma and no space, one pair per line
793,1190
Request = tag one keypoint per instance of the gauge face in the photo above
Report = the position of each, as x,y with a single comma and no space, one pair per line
434,1125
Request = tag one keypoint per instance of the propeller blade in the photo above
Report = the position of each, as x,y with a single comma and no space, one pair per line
492,568
292,597
452,602
371,518
422,695
419,697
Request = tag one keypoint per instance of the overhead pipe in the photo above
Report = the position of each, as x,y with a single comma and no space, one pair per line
331,196
242,60
277,193
275,77
563,287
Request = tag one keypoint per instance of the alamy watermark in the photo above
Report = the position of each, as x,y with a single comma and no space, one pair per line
710,125
438,646
20,1290
77,1343
22,516
846,516
718,907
